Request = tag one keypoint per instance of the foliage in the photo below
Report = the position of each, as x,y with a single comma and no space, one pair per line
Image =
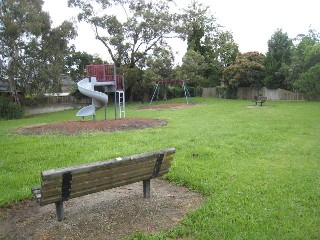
303,69
257,167
247,71
193,65
206,37
138,28
225,48
134,83
160,65
197,24
76,62
32,53
10,110
277,60
309,82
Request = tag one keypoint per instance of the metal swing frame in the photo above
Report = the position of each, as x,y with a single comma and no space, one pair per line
183,84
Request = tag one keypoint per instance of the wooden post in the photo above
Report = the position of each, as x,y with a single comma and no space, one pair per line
59,210
146,188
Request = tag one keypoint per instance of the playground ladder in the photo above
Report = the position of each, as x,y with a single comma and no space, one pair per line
122,105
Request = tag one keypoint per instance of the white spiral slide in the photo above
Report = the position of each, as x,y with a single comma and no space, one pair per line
99,99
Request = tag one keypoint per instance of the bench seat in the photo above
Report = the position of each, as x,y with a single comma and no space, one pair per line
259,99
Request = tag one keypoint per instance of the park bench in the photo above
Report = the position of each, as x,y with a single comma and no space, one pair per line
259,99
59,185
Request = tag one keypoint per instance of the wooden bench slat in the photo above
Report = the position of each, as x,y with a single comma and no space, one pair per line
52,183
82,183
113,185
107,164
83,192
53,186
56,183
109,180
112,172
116,171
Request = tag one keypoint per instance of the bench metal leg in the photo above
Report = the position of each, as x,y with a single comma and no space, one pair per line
146,188
59,210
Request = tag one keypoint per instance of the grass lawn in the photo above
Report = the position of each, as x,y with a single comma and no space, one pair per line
258,167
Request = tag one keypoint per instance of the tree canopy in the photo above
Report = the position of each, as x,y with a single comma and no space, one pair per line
32,53
129,29
247,71
305,68
277,59
207,38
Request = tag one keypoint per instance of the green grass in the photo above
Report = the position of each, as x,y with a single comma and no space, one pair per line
258,167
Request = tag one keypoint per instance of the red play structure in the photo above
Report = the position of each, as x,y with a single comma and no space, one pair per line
102,75
105,73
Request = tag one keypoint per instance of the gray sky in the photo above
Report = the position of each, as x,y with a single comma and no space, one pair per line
252,22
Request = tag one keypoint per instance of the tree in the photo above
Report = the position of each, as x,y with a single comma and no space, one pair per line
77,61
160,68
206,37
134,32
309,82
192,68
32,53
197,24
247,71
303,68
220,53
277,60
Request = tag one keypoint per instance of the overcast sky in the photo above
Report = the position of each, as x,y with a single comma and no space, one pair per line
251,22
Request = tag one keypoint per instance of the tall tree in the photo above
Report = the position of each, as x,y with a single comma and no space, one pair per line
277,60
129,29
20,22
309,79
220,53
31,52
206,37
197,24
160,67
192,68
303,68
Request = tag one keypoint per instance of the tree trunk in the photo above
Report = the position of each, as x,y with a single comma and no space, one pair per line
14,92
146,96
12,71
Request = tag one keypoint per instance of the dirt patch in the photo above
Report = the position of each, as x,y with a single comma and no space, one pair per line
73,127
110,214
156,106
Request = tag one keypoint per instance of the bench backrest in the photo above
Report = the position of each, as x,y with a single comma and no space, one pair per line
259,98
70,182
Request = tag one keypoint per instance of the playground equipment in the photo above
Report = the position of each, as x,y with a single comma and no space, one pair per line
182,82
102,75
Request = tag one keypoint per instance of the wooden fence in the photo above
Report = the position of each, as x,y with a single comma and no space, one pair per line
247,93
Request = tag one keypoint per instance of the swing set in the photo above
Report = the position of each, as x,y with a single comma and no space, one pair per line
181,82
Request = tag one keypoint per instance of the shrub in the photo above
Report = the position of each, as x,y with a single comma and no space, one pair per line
10,110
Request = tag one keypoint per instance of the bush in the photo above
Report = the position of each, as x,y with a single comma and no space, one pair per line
10,110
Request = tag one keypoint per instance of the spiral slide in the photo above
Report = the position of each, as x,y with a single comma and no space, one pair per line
99,99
